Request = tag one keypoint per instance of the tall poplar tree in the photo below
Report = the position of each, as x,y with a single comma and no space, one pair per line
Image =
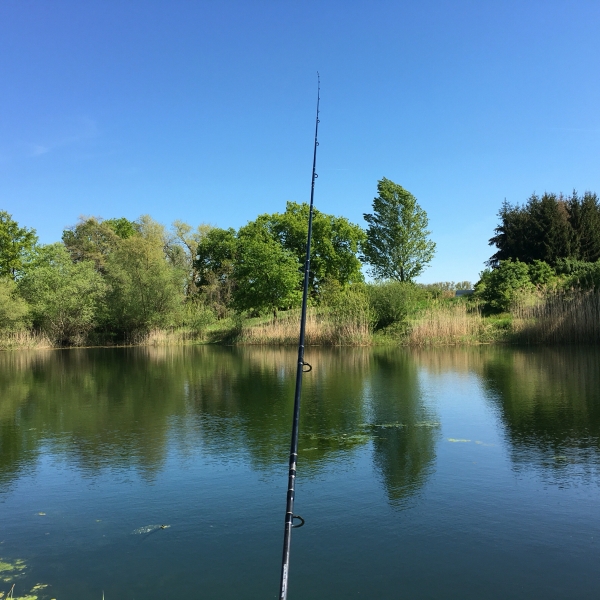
398,245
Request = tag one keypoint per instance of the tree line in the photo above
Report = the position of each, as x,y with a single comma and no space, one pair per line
109,278
549,243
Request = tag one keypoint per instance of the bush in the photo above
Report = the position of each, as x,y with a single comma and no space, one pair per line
64,296
351,315
198,316
541,273
392,301
580,275
502,286
13,309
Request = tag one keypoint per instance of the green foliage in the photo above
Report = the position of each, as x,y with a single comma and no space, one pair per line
392,301
335,243
64,296
15,244
145,289
266,275
215,255
351,314
500,287
94,239
585,276
197,316
186,239
541,273
13,309
447,288
549,228
123,227
397,245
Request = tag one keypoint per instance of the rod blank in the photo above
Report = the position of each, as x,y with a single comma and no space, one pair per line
289,510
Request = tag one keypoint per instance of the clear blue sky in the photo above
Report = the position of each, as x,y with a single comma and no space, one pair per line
204,111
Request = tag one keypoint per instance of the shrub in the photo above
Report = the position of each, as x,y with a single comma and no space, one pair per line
392,301
352,316
502,286
13,309
64,296
541,273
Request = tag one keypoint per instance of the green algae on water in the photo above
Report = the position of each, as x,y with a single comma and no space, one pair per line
11,570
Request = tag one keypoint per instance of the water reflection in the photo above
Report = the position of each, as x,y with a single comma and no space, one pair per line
404,455
123,408
547,401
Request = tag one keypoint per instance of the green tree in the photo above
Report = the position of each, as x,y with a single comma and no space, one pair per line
188,239
397,245
266,275
15,244
94,239
584,216
64,296
334,248
550,228
500,287
392,301
146,289
13,309
215,256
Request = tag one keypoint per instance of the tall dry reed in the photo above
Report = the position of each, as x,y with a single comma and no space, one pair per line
323,328
571,316
440,325
25,339
165,337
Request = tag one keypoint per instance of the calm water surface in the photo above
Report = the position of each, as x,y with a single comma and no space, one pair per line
455,474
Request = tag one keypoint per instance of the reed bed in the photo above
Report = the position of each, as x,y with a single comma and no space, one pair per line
24,340
446,325
571,316
165,337
323,328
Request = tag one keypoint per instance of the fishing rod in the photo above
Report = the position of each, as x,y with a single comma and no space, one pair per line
303,367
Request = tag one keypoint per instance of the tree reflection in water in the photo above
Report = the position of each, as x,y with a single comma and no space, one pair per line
121,408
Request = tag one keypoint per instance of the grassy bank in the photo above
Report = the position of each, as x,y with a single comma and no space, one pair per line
553,318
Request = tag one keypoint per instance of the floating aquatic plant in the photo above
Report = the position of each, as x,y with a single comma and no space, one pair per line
150,528
11,570
427,424
342,438
399,425
382,425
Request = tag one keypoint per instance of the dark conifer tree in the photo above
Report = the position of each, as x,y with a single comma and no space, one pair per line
549,228
584,215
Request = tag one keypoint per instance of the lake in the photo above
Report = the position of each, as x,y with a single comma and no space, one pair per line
422,474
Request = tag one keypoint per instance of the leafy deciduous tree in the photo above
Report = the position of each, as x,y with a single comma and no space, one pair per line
94,239
266,275
13,309
188,239
335,242
215,256
64,296
15,243
501,286
398,245
145,289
